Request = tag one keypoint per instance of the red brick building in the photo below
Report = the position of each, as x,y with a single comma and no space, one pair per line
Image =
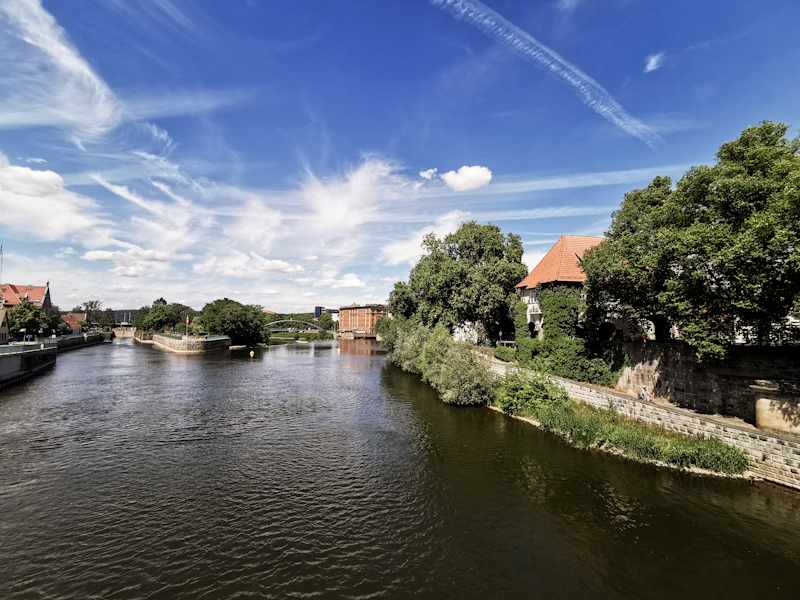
360,319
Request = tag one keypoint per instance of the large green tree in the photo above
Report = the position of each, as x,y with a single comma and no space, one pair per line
159,317
467,277
26,315
244,323
717,255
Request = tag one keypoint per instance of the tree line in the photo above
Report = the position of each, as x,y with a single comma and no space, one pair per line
714,256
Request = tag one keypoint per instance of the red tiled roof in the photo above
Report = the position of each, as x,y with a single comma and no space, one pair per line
269,312
70,321
11,295
562,262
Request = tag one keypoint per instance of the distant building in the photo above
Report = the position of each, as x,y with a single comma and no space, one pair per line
360,318
333,312
77,316
72,323
11,295
562,264
271,312
4,332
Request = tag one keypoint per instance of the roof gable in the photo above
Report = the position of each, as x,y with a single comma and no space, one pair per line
562,262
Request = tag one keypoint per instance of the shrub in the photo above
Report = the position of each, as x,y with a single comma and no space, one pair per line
408,346
465,377
505,354
429,362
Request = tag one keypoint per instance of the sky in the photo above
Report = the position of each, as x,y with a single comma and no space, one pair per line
294,154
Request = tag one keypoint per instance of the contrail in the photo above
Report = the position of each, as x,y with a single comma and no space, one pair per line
509,35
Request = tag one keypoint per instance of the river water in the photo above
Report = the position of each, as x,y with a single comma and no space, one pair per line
317,471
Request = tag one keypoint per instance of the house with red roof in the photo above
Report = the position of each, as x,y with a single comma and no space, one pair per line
72,323
4,330
561,265
11,295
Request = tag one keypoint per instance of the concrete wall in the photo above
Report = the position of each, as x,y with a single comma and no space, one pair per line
16,367
772,457
190,346
72,342
669,371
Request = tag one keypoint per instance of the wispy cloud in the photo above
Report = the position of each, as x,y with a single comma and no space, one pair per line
163,12
348,281
47,83
591,93
654,61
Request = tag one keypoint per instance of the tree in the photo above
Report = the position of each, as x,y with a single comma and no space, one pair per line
107,318
716,255
139,317
326,321
245,324
467,277
26,315
159,317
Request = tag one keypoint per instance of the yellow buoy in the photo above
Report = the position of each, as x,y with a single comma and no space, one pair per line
252,354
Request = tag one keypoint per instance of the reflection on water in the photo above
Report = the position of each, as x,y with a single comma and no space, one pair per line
317,470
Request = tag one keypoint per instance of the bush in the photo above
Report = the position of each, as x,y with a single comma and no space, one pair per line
465,377
525,394
505,354
430,361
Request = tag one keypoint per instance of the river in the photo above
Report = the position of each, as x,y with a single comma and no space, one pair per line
318,471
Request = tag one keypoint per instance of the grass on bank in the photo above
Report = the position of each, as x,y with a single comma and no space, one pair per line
529,395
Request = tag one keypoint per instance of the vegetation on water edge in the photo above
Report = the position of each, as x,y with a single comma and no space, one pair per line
526,394
309,337
462,376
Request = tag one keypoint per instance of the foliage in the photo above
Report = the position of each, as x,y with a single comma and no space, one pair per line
93,310
562,352
522,329
454,369
465,377
430,360
26,315
158,318
107,318
716,255
139,318
326,321
244,324
505,354
467,277
525,394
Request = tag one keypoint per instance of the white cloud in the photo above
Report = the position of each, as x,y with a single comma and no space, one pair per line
258,226
410,249
122,289
37,203
348,281
427,174
568,5
133,255
36,160
311,295
654,61
370,298
270,292
64,252
310,257
467,178
239,264
591,93
390,279
46,80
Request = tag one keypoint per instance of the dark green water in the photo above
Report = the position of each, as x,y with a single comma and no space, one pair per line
306,472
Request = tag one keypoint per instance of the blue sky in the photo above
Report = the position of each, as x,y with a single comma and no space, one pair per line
293,154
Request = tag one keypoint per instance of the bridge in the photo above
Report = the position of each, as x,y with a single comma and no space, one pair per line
296,321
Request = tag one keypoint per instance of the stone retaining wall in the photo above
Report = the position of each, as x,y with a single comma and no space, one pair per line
191,345
18,367
733,388
71,342
772,457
